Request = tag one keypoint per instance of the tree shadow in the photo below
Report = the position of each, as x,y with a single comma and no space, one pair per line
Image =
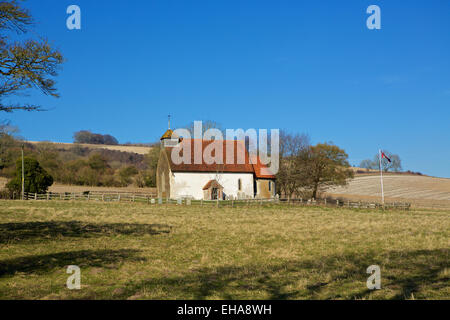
13,232
84,258
404,273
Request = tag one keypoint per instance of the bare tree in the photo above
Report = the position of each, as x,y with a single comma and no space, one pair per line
23,66
289,177
206,125
395,163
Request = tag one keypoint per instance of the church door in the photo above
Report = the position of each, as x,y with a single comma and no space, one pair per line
214,193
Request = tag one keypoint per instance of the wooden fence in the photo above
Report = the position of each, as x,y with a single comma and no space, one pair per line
92,196
152,199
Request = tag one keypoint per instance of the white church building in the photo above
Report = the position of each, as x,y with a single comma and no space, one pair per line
211,181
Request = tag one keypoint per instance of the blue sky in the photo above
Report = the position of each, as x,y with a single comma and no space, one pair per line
305,66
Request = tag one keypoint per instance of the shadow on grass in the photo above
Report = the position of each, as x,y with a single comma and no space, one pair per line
12,232
331,277
84,258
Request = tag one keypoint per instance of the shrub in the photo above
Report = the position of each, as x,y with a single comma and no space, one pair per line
37,180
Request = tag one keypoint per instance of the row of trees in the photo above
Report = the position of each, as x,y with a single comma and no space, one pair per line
394,165
85,136
307,170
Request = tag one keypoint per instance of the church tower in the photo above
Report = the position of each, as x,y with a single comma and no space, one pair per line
169,139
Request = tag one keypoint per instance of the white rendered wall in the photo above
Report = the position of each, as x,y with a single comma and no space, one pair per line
191,184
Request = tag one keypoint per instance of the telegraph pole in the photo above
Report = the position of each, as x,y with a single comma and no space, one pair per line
23,176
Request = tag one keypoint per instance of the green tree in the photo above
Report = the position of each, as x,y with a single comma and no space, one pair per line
324,165
126,174
98,162
27,65
151,160
37,180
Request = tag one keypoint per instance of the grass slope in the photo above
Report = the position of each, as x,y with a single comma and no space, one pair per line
132,149
138,251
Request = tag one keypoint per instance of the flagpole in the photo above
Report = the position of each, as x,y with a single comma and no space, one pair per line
381,177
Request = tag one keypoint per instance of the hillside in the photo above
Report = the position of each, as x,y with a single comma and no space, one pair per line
132,149
420,190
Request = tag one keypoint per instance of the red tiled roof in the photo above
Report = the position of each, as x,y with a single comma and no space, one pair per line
261,170
235,167
210,183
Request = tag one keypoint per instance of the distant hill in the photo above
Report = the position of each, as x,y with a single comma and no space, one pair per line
132,149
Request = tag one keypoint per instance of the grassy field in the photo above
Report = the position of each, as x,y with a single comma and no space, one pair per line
139,251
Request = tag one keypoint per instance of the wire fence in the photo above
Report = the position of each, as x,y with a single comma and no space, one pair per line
151,198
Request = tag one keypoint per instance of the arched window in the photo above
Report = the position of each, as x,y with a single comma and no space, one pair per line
239,184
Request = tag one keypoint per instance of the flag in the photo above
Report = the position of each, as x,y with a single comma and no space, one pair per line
383,155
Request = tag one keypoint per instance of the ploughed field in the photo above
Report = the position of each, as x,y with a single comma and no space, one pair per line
423,191
140,251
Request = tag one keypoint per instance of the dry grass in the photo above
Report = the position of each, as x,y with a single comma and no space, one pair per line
138,251
61,188
133,149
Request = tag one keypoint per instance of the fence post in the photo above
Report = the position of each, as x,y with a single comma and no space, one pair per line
89,196
232,203
325,202
337,203
118,198
103,197
35,196
48,196
348,203
133,197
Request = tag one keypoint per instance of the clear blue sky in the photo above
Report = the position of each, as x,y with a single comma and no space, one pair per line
306,66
